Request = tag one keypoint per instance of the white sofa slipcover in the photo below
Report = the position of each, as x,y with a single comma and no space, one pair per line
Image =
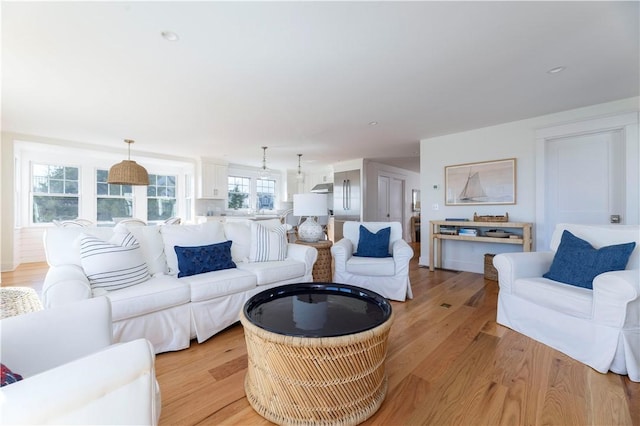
387,276
166,310
72,373
599,327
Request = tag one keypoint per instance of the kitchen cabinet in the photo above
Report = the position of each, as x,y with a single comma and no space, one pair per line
294,186
213,180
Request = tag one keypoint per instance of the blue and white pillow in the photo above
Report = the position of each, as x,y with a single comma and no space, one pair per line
267,243
112,265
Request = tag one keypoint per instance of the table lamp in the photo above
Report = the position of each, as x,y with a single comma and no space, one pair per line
310,205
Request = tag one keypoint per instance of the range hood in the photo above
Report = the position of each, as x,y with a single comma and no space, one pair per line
323,188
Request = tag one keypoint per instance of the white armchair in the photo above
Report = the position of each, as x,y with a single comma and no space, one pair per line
387,276
599,327
72,372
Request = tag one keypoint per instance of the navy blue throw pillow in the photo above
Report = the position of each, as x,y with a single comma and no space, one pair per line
373,245
201,259
577,263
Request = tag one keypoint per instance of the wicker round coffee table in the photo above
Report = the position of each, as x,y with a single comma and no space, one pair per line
316,353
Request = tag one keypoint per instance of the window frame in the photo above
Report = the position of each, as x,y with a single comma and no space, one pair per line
33,193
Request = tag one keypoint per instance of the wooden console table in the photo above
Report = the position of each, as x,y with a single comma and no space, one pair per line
435,237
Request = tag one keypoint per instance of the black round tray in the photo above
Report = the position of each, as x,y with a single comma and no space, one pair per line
317,309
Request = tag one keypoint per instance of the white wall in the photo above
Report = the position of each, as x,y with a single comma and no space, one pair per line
514,139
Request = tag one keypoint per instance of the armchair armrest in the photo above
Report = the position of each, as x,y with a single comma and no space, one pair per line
341,251
512,266
616,299
38,341
402,254
65,284
114,386
302,253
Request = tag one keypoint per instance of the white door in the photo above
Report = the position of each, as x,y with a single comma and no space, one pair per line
384,186
585,180
390,199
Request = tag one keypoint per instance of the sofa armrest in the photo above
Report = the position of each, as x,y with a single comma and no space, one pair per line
512,266
65,284
38,341
341,251
114,386
402,254
616,299
302,253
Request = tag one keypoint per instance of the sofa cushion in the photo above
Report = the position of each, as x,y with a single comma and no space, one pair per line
151,245
371,266
577,262
211,285
271,272
201,259
240,234
188,236
267,244
158,293
570,299
372,244
112,265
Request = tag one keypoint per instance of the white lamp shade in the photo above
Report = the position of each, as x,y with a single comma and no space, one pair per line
310,205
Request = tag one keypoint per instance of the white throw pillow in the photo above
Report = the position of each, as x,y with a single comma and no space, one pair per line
112,265
189,236
267,243
240,234
151,245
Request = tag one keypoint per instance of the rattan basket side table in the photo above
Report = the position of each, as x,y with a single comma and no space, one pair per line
322,272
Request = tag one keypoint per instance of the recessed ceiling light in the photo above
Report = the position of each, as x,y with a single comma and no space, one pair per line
556,70
373,123
170,36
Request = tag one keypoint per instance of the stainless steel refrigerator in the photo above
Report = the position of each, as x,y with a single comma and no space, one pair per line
347,199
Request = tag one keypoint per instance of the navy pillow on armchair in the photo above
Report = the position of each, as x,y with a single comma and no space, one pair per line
577,263
373,245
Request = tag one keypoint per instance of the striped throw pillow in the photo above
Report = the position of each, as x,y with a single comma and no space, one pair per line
112,265
267,243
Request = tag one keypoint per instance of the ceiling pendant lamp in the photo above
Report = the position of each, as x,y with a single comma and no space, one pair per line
128,172
300,175
263,172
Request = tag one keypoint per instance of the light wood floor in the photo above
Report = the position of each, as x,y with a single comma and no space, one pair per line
448,363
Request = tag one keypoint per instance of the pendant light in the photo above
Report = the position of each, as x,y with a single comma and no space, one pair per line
263,172
128,172
300,175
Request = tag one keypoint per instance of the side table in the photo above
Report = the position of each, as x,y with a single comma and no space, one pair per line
18,300
322,268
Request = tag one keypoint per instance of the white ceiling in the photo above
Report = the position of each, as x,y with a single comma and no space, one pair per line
305,77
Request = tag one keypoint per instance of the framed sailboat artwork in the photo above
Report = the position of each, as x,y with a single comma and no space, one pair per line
486,182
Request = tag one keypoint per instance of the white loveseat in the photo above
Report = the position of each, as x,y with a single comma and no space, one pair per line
167,310
599,327
72,374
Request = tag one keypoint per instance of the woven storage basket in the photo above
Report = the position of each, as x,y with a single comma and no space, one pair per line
316,380
490,272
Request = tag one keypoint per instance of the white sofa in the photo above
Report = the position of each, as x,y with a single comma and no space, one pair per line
599,327
387,276
166,310
72,374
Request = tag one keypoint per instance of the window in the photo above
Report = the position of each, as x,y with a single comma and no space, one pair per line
265,194
55,192
161,197
239,191
112,200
